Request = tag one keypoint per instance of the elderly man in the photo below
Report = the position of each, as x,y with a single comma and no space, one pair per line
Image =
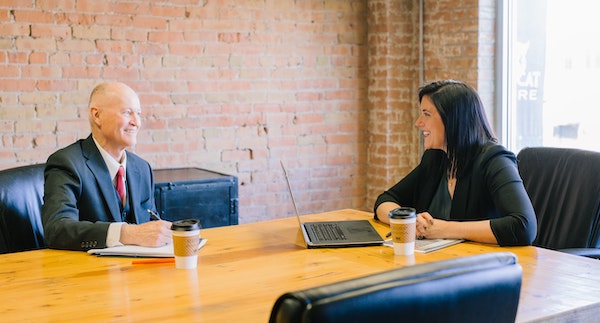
97,194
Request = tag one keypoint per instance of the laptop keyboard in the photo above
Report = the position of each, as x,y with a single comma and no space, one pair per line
328,231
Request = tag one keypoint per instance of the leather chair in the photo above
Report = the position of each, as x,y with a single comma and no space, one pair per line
482,288
564,187
21,198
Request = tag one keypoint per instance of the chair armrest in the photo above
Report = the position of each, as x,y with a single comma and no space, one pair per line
586,252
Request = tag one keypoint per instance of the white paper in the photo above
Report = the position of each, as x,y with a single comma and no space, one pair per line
138,251
428,245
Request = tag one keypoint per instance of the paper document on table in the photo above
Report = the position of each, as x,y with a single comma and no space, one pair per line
429,245
138,251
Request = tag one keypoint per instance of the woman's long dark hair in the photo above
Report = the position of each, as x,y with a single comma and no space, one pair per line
463,116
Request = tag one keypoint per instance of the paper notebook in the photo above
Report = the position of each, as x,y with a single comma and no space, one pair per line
429,245
138,251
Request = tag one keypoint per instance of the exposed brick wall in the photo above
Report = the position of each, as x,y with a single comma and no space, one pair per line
235,86
394,78
451,40
460,44
231,86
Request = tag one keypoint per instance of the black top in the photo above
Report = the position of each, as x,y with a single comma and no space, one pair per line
441,203
492,189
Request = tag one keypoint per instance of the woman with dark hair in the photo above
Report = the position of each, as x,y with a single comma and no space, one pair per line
467,186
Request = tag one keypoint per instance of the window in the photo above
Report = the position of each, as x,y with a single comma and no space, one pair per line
550,73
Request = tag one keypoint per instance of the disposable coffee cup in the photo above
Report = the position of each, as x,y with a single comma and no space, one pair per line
186,238
403,223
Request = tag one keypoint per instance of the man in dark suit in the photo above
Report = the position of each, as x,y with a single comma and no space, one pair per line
83,208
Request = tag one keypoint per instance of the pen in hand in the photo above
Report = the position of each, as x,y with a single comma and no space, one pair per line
153,215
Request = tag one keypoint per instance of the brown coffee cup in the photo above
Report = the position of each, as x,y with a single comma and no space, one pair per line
186,239
403,222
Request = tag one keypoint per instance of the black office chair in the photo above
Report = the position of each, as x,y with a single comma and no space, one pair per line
564,187
21,198
482,288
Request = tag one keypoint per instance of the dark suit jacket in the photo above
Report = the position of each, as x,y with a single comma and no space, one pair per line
492,189
80,199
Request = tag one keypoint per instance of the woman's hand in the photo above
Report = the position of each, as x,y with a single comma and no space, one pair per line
428,227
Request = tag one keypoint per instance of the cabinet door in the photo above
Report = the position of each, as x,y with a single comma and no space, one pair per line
214,204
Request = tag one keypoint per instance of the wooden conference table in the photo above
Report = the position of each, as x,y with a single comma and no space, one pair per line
243,269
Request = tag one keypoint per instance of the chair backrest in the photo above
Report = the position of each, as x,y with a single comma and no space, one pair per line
564,187
21,198
482,288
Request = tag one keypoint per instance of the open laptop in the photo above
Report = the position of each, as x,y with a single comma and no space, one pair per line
330,234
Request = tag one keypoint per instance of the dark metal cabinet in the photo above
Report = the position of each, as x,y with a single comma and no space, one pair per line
183,193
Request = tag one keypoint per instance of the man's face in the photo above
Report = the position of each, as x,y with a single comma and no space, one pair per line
118,116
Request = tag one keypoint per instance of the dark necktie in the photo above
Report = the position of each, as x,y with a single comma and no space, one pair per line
120,185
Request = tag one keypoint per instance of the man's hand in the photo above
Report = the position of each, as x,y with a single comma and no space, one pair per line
149,234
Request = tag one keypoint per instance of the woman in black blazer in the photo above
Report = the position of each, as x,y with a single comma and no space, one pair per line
467,186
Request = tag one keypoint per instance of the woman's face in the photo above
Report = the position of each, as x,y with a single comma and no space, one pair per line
431,125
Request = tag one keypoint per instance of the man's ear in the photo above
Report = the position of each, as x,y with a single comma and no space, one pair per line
95,115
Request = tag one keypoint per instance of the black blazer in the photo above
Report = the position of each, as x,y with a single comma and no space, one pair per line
80,199
491,189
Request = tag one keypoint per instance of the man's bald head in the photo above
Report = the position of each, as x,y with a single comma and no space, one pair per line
103,93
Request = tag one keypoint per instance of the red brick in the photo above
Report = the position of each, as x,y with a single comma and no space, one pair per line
236,155
12,85
9,71
94,6
149,22
38,58
41,44
185,49
55,85
132,7
151,49
39,71
229,37
81,72
32,16
120,73
165,37
76,45
37,98
114,46
5,15
14,29
112,20
72,125
167,10
44,140
49,5
74,18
